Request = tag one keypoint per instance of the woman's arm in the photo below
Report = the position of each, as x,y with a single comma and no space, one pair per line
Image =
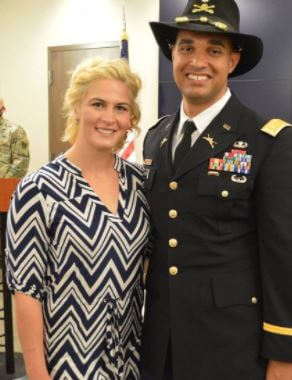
29,319
145,270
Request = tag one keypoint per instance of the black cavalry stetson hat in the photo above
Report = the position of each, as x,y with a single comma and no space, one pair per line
211,16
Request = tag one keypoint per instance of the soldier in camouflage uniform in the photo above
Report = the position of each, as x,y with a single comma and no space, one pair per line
14,148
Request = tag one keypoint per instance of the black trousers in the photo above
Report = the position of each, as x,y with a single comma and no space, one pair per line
167,375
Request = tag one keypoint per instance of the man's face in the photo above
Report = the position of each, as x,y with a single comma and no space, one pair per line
201,65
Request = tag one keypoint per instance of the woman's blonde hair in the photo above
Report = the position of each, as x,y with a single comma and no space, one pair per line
85,73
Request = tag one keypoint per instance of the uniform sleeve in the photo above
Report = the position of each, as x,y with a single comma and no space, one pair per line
27,241
19,154
274,218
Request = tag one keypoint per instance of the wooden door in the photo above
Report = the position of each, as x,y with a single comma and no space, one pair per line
62,60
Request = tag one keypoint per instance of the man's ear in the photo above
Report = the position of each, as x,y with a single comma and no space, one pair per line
234,59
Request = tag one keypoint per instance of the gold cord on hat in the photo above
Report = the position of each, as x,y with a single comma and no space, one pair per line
202,20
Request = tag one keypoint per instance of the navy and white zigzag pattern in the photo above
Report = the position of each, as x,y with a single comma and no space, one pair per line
66,249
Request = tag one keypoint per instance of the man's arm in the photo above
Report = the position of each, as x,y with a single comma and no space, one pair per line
19,154
274,220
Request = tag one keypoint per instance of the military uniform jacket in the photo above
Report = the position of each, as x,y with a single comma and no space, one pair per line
14,150
219,285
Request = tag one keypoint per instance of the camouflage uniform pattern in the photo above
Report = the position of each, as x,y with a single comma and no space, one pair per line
14,150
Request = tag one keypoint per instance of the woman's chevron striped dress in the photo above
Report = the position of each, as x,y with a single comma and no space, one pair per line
66,249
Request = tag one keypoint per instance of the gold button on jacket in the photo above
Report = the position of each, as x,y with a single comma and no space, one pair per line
254,300
172,214
225,194
172,243
173,185
173,271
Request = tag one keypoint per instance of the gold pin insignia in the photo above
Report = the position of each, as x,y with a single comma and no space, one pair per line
238,178
227,127
203,8
210,140
163,141
240,144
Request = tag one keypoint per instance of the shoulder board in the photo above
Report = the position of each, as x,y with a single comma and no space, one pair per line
274,126
159,121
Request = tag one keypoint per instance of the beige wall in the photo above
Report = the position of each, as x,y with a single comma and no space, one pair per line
28,27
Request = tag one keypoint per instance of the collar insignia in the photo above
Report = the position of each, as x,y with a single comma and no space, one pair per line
163,141
210,140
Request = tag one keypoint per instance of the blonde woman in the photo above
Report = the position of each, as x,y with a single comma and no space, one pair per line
77,230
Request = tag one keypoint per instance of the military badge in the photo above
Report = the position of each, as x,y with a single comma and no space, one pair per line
236,161
204,8
240,144
210,140
238,178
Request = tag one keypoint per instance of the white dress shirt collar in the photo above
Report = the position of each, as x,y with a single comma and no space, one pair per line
203,119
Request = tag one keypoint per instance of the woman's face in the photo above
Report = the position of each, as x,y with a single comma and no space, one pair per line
104,115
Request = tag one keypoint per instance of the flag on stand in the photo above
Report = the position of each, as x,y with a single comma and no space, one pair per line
128,150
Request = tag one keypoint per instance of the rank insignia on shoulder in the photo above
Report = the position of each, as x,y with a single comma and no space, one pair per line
147,161
240,144
236,161
274,126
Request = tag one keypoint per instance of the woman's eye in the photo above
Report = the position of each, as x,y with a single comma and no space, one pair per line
97,104
122,108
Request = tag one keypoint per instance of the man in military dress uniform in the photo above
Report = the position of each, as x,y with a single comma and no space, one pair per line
14,148
219,184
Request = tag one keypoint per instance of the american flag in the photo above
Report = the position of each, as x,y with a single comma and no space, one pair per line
128,150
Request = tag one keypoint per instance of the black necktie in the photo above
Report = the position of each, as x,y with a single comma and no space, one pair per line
185,144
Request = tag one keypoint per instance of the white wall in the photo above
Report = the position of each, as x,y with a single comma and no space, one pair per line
28,27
